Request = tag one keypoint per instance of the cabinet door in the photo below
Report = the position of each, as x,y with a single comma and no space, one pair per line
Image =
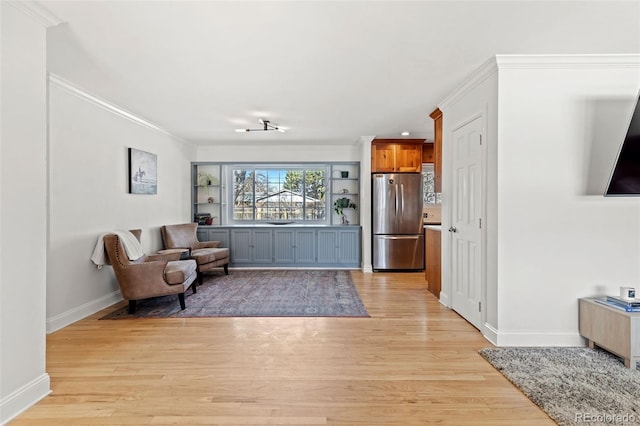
427,153
221,235
327,246
432,266
284,246
383,158
305,246
349,247
408,158
262,246
241,245
202,234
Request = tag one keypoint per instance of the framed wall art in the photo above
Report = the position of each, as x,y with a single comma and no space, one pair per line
143,172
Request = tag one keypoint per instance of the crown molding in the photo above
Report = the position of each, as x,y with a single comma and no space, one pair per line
82,94
504,62
36,11
488,69
612,61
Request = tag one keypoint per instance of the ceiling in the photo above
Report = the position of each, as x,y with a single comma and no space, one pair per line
327,71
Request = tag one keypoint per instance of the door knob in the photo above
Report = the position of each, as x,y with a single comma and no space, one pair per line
453,229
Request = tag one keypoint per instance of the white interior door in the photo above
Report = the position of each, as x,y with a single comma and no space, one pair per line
465,230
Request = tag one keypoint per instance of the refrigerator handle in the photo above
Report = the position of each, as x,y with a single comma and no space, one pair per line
402,199
395,187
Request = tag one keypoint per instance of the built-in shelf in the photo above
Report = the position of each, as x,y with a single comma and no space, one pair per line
336,184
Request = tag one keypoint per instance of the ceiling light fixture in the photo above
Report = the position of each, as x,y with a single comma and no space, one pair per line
266,126
405,133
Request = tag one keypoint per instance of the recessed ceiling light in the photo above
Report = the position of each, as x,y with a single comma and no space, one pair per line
405,133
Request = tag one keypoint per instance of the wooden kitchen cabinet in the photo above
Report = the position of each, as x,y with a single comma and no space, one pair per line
383,157
427,152
396,155
432,260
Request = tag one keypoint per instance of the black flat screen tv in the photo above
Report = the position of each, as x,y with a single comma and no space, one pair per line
625,178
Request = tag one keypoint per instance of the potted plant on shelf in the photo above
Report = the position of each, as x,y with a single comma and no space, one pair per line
343,203
206,180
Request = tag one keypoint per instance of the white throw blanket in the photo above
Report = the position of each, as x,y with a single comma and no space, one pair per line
132,247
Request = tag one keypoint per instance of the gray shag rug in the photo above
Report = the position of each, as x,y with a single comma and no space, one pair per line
574,386
259,293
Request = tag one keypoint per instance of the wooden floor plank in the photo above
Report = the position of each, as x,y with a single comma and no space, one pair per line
412,362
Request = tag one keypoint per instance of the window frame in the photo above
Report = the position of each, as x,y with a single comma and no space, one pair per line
228,175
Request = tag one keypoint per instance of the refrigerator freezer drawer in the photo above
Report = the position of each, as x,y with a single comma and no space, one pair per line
398,252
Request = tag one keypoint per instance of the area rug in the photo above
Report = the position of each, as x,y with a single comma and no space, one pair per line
574,386
260,293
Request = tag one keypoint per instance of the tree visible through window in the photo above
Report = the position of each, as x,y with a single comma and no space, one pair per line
279,194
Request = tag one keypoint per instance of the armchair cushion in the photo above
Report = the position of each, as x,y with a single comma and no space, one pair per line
207,255
176,272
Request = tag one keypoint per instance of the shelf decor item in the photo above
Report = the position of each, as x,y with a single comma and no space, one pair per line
205,179
143,172
343,203
343,173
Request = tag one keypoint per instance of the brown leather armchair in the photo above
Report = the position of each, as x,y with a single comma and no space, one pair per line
149,275
208,254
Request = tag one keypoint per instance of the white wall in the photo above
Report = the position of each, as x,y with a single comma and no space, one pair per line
88,145
557,242
272,151
23,217
559,121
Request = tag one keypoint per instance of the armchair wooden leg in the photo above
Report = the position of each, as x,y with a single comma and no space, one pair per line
181,299
132,306
200,277
226,269
193,287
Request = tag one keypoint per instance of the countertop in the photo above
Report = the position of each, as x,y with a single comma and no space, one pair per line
433,227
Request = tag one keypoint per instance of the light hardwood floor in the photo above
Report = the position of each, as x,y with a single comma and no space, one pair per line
413,362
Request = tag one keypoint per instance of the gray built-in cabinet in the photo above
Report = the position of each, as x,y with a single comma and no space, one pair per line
330,245
288,245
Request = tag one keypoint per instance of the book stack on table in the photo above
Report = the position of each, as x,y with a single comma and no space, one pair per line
626,305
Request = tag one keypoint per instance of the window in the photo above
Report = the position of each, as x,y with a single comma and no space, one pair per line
278,193
429,194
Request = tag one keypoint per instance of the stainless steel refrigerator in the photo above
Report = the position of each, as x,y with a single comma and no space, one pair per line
398,238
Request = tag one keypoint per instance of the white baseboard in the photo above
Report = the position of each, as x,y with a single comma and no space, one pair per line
490,333
69,317
444,299
532,338
295,268
19,401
